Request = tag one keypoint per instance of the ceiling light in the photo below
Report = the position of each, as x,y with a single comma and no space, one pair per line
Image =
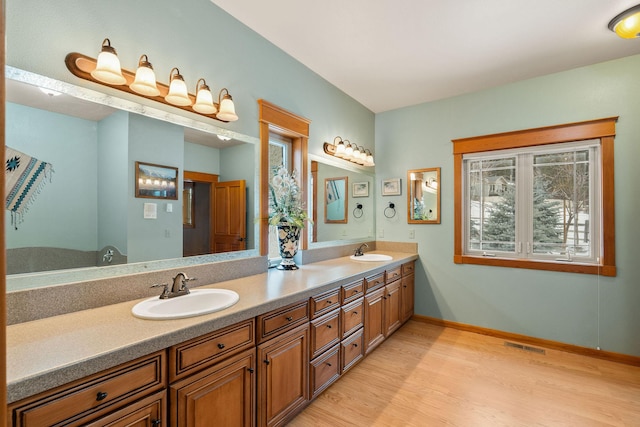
178,94
145,80
627,24
108,66
223,138
49,92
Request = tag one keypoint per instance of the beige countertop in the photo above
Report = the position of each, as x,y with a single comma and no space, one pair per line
46,353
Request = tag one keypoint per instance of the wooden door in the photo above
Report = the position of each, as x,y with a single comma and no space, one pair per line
393,307
374,325
283,381
230,223
203,213
223,395
408,296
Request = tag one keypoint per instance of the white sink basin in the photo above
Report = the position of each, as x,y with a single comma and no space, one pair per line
371,257
198,302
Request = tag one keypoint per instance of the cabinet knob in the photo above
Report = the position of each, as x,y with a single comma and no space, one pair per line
329,326
328,364
329,302
289,318
155,423
355,312
250,370
266,362
101,396
220,346
355,344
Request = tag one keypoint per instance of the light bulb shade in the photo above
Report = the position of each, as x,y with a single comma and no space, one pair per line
145,80
227,109
348,152
178,93
108,66
204,99
369,160
627,24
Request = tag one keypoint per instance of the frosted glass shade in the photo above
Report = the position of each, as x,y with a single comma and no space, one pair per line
178,93
227,110
204,101
145,80
108,66
627,24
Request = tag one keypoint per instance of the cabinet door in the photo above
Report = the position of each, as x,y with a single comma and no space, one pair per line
374,319
223,395
149,412
283,380
408,296
393,307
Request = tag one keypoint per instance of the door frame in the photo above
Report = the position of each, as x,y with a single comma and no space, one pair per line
211,179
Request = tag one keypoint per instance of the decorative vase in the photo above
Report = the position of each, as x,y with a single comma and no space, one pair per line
288,238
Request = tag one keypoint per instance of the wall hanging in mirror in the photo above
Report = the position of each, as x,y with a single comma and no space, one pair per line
423,196
156,181
391,187
106,70
335,200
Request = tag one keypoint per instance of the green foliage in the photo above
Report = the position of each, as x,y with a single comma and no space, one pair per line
285,203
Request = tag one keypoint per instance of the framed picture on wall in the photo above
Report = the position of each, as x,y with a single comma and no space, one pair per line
156,181
391,187
360,189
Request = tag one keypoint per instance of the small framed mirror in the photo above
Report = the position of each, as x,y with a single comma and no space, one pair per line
423,195
335,200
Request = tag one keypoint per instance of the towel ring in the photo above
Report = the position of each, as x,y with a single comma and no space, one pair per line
391,209
357,212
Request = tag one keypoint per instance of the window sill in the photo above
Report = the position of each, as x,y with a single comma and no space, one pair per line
567,267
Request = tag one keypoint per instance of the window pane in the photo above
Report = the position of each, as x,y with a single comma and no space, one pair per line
561,215
492,224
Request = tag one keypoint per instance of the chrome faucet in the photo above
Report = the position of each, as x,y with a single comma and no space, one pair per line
179,286
358,251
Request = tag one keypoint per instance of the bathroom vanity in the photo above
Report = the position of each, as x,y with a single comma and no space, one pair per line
259,362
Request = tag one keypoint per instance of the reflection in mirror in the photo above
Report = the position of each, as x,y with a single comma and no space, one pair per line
335,200
424,196
358,224
87,215
188,202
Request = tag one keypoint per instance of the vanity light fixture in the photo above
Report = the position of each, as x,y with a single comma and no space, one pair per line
204,99
106,70
178,94
344,149
108,66
145,81
627,24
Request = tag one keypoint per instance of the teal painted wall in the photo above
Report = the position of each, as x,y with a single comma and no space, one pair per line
579,309
70,145
197,37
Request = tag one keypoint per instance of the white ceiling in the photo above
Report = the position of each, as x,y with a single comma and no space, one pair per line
388,54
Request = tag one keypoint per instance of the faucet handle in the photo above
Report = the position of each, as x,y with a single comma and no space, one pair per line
165,290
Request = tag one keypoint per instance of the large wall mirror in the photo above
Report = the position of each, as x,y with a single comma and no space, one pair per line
86,218
423,195
351,219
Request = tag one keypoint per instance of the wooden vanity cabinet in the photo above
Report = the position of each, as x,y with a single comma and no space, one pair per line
408,290
115,395
374,327
392,302
283,364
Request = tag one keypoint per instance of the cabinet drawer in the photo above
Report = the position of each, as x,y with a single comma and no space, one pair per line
206,350
352,350
281,320
324,303
352,291
324,371
394,274
77,402
352,317
325,333
408,268
374,282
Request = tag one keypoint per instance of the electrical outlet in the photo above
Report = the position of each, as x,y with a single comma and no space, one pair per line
412,234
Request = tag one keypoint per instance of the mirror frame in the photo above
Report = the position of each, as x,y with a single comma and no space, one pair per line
345,218
410,219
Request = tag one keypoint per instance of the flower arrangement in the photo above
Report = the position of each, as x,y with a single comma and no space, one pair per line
285,204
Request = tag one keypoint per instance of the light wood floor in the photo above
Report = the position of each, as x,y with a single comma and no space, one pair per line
425,375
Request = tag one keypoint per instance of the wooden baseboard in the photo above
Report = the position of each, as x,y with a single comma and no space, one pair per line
552,345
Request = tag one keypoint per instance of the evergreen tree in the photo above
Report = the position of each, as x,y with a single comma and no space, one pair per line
545,218
501,224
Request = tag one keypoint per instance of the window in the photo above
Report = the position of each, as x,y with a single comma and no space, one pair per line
540,198
280,153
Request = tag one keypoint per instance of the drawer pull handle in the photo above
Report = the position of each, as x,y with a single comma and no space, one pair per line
101,396
355,291
250,370
289,318
355,344
355,312
329,326
329,302
220,346
328,364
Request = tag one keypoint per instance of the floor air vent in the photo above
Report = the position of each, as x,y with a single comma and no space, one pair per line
524,347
